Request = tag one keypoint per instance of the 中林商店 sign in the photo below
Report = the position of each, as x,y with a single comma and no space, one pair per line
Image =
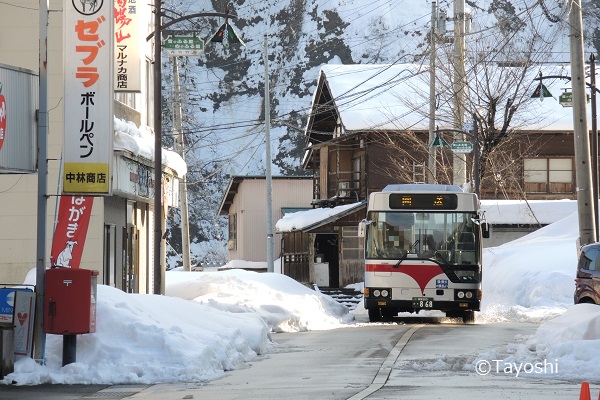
88,119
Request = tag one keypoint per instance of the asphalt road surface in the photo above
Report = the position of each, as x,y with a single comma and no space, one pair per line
410,359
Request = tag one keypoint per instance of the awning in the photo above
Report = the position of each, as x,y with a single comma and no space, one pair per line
311,219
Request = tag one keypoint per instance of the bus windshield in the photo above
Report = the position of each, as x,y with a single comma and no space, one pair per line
451,238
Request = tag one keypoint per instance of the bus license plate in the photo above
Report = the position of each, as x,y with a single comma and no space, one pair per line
422,302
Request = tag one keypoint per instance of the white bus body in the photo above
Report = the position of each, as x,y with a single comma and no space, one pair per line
423,251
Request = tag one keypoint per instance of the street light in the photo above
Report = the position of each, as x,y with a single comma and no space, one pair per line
159,285
439,141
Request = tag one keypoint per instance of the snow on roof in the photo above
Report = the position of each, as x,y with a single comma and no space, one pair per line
304,219
369,97
498,212
527,212
128,136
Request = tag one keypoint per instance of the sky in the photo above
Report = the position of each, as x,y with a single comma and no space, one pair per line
396,90
214,321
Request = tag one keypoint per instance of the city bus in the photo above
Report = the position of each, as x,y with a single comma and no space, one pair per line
423,247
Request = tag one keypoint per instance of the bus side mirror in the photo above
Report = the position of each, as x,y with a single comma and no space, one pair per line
362,227
485,230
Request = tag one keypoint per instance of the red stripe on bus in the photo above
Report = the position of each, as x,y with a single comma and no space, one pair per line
422,274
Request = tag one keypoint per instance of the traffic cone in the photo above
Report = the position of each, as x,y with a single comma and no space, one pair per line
584,393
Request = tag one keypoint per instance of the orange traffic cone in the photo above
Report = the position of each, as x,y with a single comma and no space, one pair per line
584,393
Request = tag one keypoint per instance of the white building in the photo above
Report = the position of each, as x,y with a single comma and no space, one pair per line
245,206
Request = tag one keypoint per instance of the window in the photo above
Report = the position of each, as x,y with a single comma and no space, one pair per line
548,175
588,259
232,242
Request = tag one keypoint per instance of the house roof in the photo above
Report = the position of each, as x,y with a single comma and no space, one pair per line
311,219
396,97
530,212
236,181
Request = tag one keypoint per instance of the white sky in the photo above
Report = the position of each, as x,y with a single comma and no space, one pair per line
380,88
214,321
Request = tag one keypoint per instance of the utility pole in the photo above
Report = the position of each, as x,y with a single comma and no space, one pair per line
270,262
158,250
159,285
594,143
585,201
459,167
476,176
39,338
183,201
431,167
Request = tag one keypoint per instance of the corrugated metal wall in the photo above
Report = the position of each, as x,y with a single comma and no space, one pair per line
19,88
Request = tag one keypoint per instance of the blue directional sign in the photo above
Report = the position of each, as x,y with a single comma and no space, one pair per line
7,303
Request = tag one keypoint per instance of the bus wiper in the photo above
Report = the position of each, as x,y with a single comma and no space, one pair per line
413,247
448,270
401,259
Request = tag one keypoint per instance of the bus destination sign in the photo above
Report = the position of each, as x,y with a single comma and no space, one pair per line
426,201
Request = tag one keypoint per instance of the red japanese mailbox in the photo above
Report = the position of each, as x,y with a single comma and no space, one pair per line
70,301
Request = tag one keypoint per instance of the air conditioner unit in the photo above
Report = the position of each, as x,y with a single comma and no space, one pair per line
231,244
344,189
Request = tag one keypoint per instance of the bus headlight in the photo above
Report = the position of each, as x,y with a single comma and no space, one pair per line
465,294
379,293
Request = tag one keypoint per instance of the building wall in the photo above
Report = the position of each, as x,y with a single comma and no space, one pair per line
250,206
352,260
19,47
19,31
143,256
115,209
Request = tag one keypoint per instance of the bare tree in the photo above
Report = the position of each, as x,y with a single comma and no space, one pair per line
500,65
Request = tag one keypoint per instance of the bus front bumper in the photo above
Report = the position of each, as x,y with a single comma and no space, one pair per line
409,306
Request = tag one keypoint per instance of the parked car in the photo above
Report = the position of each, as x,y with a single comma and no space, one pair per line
587,280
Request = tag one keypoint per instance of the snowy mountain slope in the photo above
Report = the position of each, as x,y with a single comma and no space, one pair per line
223,98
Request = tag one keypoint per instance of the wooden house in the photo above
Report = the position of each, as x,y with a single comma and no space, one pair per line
359,135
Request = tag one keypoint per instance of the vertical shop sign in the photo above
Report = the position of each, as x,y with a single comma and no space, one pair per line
128,46
2,117
71,230
23,319
88,119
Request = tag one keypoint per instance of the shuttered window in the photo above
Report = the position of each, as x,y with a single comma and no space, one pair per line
548,175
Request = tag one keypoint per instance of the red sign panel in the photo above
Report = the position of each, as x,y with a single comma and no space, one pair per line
2,118
71,230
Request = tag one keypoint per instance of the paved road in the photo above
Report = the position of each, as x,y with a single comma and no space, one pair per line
378,361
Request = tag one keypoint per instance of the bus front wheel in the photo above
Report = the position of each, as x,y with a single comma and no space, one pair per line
374,314
468,317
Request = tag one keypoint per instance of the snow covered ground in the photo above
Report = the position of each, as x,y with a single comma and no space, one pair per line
213,321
